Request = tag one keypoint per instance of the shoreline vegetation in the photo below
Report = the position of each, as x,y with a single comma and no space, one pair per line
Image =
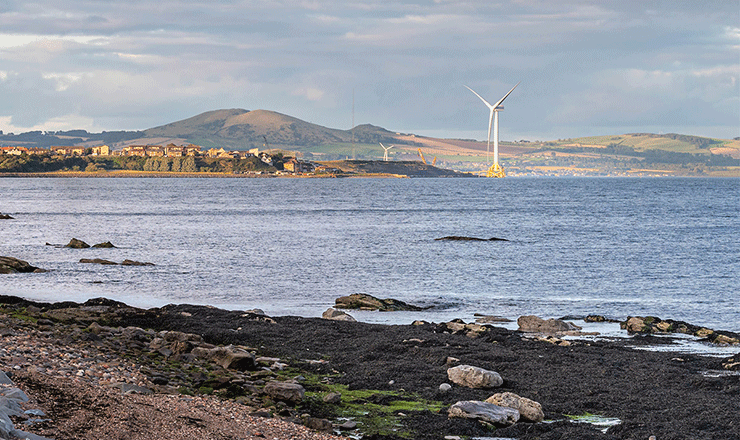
172,174
277,165
103,369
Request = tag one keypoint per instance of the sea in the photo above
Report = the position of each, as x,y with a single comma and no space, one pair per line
617,247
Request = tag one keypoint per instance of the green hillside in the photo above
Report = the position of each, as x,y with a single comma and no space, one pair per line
647,141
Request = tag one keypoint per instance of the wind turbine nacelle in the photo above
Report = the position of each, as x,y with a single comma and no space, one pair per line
499,108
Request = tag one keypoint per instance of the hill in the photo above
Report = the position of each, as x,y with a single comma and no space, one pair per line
243,129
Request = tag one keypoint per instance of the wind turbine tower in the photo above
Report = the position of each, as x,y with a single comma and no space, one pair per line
495,170
385,155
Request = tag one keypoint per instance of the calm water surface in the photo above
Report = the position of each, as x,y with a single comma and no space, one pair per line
616,247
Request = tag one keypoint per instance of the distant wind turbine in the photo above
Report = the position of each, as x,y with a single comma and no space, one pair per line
385,156
495,169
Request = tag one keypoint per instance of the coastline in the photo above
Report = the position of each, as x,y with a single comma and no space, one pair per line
205,175
657,393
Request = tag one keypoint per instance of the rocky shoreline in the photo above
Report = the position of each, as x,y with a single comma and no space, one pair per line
103,369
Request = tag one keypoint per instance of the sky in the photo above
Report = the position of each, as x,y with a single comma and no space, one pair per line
586,67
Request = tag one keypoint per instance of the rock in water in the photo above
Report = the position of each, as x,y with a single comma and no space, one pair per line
460,238
5,217
98,261
488,412
135,263
363,301
106,245
529,410
77,244
14,265
474,377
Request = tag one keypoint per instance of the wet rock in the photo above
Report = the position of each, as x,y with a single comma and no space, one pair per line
529,410
652,324
13,265
535,324
285,391
598,318
488,412
726,340
337,315
474,377
5,217
135,263
98,261
347,426
462,238
77,244
363,301
106,245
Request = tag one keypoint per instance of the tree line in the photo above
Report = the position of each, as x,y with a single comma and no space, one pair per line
44,163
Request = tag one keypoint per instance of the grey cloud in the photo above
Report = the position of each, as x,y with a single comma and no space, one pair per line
407,60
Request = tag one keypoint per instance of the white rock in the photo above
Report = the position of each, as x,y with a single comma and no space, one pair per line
474,377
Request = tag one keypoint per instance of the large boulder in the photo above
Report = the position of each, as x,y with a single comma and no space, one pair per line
14,265
233,358
285,391
529,410
363,301
77,244
488,412
474,377
535,324
337,315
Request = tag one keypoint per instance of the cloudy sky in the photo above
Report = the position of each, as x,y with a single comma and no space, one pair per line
586,67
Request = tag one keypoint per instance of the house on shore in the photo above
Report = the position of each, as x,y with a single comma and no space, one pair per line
17,151
68,150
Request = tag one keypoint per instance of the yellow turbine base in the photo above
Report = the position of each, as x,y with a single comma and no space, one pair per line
496,170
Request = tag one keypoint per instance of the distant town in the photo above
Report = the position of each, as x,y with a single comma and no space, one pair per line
289,164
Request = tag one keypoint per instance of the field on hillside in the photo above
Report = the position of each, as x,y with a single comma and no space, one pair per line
643,142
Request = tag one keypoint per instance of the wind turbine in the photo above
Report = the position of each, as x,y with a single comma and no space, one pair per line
385,156
495,170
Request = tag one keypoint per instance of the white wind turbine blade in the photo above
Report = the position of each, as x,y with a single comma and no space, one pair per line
505,96
490,121
484,101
